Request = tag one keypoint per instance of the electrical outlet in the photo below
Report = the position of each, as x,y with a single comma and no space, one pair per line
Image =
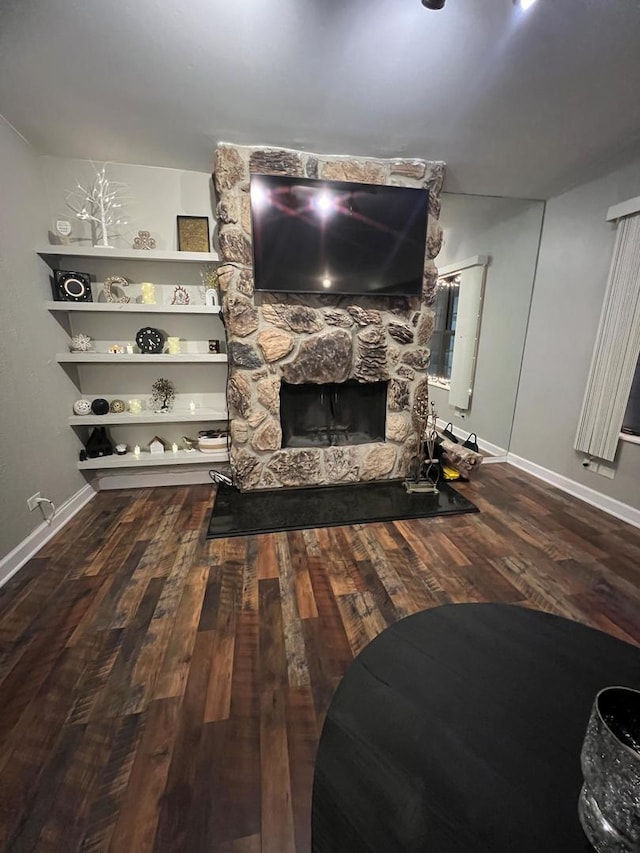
606,470
32,502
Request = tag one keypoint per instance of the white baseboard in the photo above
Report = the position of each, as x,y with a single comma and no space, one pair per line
609,505
30,546
497,454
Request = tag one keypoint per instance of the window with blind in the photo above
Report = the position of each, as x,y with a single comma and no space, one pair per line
631,422
611,397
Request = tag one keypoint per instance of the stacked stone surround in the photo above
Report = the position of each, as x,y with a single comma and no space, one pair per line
317,338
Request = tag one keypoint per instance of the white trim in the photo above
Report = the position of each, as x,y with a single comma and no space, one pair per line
609,505
475,261
30,546
625,208
632,439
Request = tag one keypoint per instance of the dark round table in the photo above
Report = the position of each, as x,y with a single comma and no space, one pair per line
459,729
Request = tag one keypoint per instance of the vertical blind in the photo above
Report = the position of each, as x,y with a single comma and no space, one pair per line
616,351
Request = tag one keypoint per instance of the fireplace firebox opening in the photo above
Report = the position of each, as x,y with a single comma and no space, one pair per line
330,414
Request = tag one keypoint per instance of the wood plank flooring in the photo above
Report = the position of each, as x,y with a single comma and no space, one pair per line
163,693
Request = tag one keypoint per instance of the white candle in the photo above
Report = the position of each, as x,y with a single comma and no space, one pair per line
136,450
174,447
130,349
192,407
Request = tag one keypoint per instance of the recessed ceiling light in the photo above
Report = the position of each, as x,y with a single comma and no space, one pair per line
525,4
433,4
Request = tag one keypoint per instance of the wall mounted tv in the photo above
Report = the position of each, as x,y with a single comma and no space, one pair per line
335,237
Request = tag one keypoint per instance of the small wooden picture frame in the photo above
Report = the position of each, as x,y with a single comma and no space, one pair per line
193,234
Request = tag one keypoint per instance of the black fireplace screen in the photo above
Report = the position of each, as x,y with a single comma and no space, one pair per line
335,413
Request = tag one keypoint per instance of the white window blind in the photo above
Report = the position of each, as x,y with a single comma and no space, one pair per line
617,348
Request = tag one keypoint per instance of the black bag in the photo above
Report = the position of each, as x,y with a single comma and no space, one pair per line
472,442
99,444
447,432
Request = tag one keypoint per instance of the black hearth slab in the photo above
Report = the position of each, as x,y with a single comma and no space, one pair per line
271,510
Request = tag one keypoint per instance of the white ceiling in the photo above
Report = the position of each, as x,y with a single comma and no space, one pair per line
518,104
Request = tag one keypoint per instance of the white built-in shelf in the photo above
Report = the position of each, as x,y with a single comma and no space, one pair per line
199,416
149,460
131,307
73,251
138,358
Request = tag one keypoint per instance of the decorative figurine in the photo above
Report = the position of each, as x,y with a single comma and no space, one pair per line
99,204
210,283
180,296
82,407
80,343
109,282
144,240
100,406
164,393
156,445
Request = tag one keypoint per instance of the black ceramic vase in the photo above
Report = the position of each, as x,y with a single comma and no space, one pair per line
99,443
609,805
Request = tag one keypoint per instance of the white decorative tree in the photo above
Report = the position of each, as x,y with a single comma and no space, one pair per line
100,204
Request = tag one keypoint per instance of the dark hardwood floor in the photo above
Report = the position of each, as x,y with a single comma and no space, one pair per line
160,692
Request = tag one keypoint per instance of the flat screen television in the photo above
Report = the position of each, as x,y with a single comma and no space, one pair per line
312,236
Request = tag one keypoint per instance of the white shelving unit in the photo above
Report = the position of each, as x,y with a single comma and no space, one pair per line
200,416
139,358
123,375
129,308
153,460
72,251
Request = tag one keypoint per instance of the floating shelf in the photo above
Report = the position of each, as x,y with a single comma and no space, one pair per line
148,460
138,358
131,307
72,251
200,416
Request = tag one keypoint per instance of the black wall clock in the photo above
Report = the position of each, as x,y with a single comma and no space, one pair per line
150,340
71,286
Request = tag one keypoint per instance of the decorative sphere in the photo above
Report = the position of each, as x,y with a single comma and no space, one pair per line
100,406
82,407
116,407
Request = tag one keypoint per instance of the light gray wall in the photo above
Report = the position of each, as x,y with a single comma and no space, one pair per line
38,451
509,231
575,256
157,196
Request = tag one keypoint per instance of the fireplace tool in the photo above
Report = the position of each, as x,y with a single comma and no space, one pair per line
427,472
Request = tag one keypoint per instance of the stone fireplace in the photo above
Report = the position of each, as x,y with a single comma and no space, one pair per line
321,388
